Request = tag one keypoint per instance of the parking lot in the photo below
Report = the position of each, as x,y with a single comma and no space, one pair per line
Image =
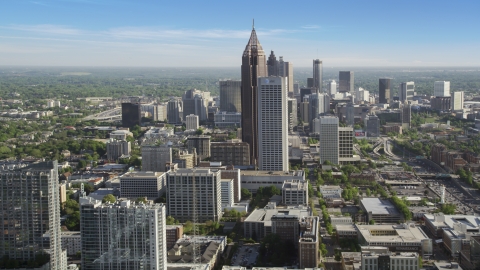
246,255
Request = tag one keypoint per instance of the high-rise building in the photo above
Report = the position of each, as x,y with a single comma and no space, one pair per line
30,208
195,102
406,91
292,113
175,111
328,139
346,82
202,145
155,157
232,152
150,184
272,64
350,114
345,143
131,114
441,89
272,124
282,69
318,75
161,113
123,235
332,88
384,86
231,96
457,101
372,125
304,110
117,148
406,115
253,66
199,189
308,243
191,122
441,103
319,104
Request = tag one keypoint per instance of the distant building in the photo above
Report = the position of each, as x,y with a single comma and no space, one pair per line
329,139
346,82
407,91
134,185
227,119
155,157
191,122
230,96
231,152
175,111
131,115
253,180
372,125
457,101
116,149
441,89
331,191
227,192
202,145
332,88
318,75
381,258
384,91
195,102
441,103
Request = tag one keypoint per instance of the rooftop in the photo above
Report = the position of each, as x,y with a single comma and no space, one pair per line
403,233
379,207
441,221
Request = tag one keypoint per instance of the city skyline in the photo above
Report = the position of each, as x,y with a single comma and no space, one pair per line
127,33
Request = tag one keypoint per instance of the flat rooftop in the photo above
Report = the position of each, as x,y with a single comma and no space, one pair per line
379,207
271,173
472,222
265,215
402,233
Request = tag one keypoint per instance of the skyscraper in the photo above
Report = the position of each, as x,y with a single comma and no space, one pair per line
175,111
230,96
318,75
30,208
384,86
319,104
372,125
407,91
346,82
441,89
272,64
280,68
253,66
332,88
272,124
195,102
329,139
131,114
457,101
155,157
123,235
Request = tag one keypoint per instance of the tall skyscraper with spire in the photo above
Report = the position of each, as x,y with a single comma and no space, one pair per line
253,66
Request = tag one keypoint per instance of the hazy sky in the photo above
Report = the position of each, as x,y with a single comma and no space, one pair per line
214,33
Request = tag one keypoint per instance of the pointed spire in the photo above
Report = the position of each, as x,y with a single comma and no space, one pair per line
253,24
253,43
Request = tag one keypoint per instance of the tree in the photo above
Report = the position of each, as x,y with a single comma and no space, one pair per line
371,222
246,194
170,220
141,199
109,198
199,131
368,192
448,209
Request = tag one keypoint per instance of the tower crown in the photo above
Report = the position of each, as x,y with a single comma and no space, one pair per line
253,44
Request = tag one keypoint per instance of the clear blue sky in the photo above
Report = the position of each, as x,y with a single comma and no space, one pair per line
214,33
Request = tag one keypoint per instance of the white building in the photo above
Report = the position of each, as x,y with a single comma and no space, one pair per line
340,220
155,157
331,191
457,101
116,149
362,95
328,139
191,122
295,192
441,89
120,134
406,91
332,88
124,235
272,109
382,258
253,180
227,192
224,119
142,184
72,242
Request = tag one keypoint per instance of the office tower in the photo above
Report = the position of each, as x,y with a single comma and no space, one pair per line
292,113
272,124
332,88
182,184
117,148
350,114
227,192
282,69
296,89
318,75
346,82
231,96
305,92
272,65
457,101
253,66
406,115
202,145
441,103
161,113
304,110
384,91
195,102
135,185
175,111
123,235
191,122
155,157
30,208
441,89
407,91
319,104
308,243
231,152
362,95
131,114
372,126
345,143
328,139
310,83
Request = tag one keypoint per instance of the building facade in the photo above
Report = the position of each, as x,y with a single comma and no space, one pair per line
224,119
202,145
155,157
295,192
329,139
441,89
406,91
131,115
308,243
231,152
175,111
457,101
135,185
372,125
116,149
318,75
191,122
231,96
384,91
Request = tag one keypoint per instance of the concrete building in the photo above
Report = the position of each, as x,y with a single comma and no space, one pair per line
372,126
173,233
457,101
292,113
209,248
332,88
234,174
272,122
441,89
295,192
116,149
382,259
441,103
406,91
72,242
131,115
345,146
331,191
253,180
346,231
346,82
454,239
227,192
224,119
308,243
124,235
120,134
435,223
199,188
30,208
329,139
134,185
156,157
384,91
175,111
318,75
397,238
191,122
318,105
362,95
231,152
340,220
202,145
381,211
231,96
195,102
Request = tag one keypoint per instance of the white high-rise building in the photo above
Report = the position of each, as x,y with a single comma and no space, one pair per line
457,101
406,91
328,139
362,95
154,157
441,89
318,104
272,113
332,88
30,209
191,122
123,235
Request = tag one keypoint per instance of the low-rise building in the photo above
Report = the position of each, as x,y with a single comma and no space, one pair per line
295,192
172,234
340,220
382,258
346,231
381,211
143,184
331,191
211,247
435,223
253,180
308,244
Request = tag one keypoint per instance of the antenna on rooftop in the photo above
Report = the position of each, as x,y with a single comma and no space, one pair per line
253,24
